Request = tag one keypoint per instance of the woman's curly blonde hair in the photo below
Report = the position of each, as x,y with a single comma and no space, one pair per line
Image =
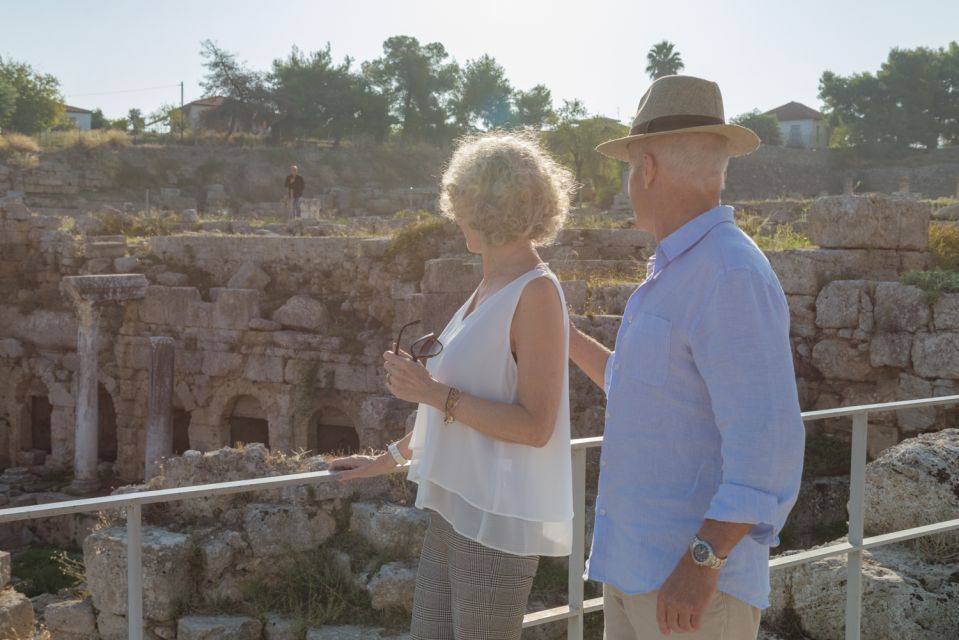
506,186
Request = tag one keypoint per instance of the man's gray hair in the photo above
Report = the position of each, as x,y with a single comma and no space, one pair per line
698,159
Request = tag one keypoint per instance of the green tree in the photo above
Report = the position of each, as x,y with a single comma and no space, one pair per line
910,101
316,97
136,121
247,101
38,104
573,142
663,60
534,108
8,101
417,82
483,95
764,126
98,120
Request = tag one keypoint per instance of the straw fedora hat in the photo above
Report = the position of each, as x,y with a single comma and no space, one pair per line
681,104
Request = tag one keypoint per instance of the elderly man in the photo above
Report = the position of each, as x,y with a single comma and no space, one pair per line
703,446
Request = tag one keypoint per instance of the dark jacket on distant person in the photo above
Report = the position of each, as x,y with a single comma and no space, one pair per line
295,183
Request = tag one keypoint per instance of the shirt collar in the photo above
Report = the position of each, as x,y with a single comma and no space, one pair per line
680,240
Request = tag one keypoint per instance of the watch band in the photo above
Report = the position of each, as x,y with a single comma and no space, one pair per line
452,399
397,456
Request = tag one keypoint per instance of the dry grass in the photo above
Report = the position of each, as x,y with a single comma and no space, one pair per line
944,246
86,140
770,237
18,143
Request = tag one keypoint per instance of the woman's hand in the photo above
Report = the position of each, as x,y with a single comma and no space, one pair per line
410,381
359,466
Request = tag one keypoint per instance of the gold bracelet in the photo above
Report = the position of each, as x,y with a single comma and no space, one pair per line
452,399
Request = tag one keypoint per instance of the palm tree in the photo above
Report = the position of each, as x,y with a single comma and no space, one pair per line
663,60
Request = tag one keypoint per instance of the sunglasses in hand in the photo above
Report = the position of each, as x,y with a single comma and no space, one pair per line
422,348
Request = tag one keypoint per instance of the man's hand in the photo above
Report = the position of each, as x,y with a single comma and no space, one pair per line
684,596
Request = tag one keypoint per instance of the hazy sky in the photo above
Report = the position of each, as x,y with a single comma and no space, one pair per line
762,54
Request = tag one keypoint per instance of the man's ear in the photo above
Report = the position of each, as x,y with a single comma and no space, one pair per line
650,170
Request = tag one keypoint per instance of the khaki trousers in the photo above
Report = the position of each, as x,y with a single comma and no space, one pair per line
634,618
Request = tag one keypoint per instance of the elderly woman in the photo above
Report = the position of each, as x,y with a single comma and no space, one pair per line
490,445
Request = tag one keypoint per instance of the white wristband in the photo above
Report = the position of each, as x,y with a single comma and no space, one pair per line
397,456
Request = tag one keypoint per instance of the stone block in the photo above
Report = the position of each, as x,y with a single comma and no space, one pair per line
276,529
166,570
936,355
168,305
575,293
840,303
900,307
234,308
262,324
393,587
10,348
390,529
71,619
277,627
802,316
249,276
5,568
220,363
945,311
913,388
302,312
869,222
173,279
840,360
451,275
16,615
890,350
264,369
125,264
226,627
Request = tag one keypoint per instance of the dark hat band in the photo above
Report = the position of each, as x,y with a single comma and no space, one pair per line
672,123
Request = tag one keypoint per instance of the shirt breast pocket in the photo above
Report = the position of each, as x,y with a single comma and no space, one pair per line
645,357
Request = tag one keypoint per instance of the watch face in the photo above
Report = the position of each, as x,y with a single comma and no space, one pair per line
700,552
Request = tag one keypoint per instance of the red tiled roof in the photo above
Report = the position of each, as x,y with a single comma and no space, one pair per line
76,109
794,111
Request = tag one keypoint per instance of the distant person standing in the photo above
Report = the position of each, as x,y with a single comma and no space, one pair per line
294,188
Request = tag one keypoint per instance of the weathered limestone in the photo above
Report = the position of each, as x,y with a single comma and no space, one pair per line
87,293
393,586
274,529
914,483
869,222
16,615
840,360
166,571
71,620
302,312
249,276
900,307
218,628
389,528
841,302
5,568
159,425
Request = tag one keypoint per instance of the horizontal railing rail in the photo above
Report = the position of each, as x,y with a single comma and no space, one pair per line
576,608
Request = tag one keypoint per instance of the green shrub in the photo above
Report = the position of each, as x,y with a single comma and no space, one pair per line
933,283
414,243
44,570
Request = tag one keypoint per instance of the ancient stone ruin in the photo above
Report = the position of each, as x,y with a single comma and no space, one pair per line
207,354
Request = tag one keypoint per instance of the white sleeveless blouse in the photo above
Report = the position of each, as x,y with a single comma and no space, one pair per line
511,497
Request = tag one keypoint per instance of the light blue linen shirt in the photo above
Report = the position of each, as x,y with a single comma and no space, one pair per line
702,415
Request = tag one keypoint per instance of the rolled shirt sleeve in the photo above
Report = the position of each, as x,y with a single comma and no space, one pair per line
740,344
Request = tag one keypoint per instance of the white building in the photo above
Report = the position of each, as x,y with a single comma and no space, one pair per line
801,126
81,117
193,112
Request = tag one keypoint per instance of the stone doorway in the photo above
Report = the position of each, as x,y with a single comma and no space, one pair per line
331,431
181,430
37,432
248,423
106,426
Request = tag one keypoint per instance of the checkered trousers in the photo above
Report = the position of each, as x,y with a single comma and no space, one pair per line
467,591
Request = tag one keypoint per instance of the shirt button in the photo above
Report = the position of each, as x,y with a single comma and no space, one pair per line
630,318
616,366
602,512
603,462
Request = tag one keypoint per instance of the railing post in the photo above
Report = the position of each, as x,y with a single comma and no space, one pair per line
857,480
134,574
574,629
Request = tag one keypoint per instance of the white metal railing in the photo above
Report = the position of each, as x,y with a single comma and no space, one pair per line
577,607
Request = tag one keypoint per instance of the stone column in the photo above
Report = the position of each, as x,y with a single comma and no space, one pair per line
159,427
87,293
87,409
